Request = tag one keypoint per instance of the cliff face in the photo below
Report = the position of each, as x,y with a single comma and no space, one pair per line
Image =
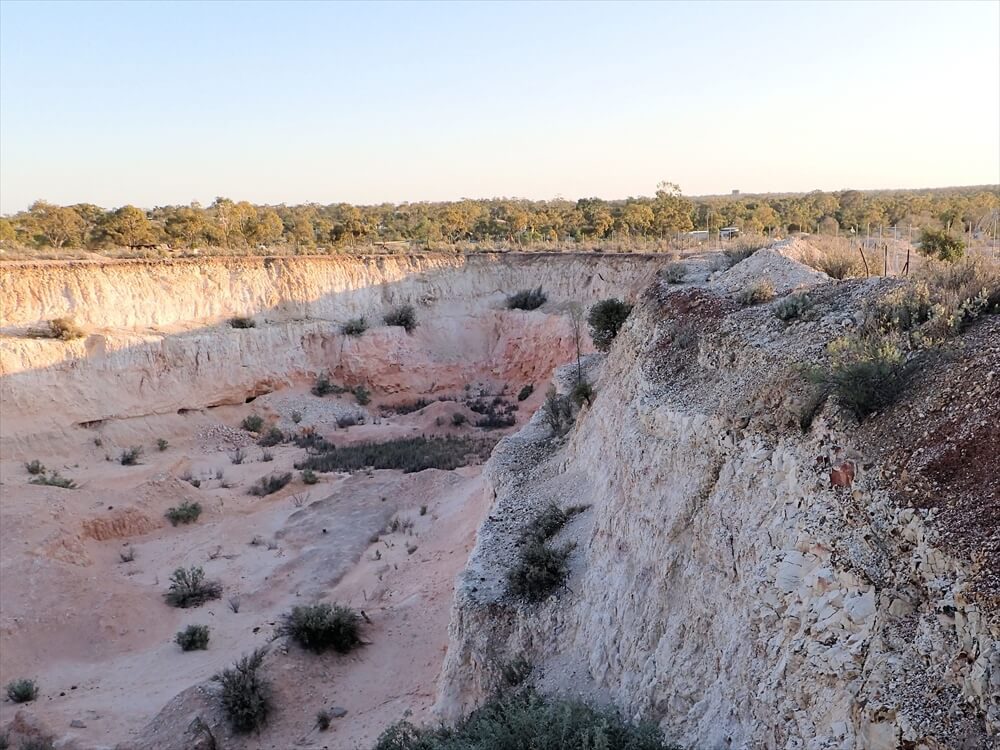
721,583
157,341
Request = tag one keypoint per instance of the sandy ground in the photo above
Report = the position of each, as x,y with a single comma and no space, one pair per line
97,636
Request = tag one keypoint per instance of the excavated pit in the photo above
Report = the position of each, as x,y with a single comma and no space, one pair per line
158,360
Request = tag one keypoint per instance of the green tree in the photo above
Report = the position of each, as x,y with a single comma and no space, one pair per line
942,245
671,211
127,226
58,226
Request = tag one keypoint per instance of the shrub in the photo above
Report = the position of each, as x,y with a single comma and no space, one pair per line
186,512
238,456
322,386
192,638
960,292
246,695
527,299
837,264
582,393
127,555
253,423
296,416
130,457
65,329
734,255
162,444
266,456
759,291
309,476
36,743
866,374
354,327
408,454
35,467
458,419
408,407
270,484
242,323
793,306
941,245
558,413
674,273
404,316
495,420
349,420
22,691
188,588
525,393
525,720
362,394
323,720
272,437
605,320
541,568
55,480
319,627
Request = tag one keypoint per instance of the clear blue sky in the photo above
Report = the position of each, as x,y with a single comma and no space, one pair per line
157,103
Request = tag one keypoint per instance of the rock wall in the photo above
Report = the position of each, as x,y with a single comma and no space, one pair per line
157,340
721,584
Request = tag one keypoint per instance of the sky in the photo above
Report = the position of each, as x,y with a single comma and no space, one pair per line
165,103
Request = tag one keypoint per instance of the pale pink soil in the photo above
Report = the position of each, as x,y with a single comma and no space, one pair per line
97,636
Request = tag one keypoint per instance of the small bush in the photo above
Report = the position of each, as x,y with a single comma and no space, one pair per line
793,306
354,327
525,393
582,393
192,638
759,291
35,467
838,264
186,512
127,555
866,374
309,476
458,419
271,438
266,456
130,457
253,423
65,329
238,456
22,691
541,568
404,316
246,695
674,273
162,444
408,407
734,255
349,420
408,454
319,627
55,479
242,323
605,320
296,416
323,720
270,484
362,395
495,420
36,743
188,588
941,245
526,721
558,413
527,299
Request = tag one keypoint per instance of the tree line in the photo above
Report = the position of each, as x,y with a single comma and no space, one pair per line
232,224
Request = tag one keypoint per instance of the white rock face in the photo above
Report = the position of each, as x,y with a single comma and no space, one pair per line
720,585
157,337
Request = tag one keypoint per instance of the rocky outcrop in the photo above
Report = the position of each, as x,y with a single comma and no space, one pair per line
732,578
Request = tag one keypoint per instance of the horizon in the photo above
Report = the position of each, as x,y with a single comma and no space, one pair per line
344,103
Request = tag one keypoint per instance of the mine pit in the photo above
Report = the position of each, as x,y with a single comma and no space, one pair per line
145,422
